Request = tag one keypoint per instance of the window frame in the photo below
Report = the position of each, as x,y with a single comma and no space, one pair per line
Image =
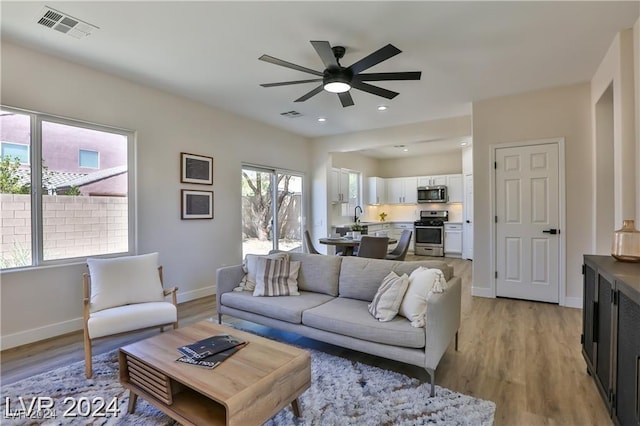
37,226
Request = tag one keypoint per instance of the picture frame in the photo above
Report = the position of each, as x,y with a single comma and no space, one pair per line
195,204
196,169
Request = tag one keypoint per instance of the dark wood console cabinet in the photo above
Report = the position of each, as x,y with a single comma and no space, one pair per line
611,334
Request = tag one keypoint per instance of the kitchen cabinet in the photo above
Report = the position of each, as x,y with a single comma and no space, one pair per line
338,185
611,334
432,180
377,191
453,239
455,190
402,190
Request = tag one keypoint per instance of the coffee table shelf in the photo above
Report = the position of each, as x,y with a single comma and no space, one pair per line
248,388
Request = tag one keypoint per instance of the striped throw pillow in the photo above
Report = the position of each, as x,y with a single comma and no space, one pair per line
386,302
276,277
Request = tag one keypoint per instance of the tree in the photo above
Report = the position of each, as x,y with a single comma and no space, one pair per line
9,177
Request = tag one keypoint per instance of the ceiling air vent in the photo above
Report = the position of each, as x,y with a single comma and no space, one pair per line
64,23
291,114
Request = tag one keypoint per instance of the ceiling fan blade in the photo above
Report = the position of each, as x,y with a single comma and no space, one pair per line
286,64
310,94
376,57
375,90
323,48
383,76
286,83
345,99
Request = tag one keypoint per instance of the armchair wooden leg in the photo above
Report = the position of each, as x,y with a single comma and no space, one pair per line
88,362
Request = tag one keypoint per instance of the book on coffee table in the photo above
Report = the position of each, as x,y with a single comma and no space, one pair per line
210,346
211,361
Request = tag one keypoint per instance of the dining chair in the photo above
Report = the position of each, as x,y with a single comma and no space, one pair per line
307,240
373,247
400,252
124,294
342,230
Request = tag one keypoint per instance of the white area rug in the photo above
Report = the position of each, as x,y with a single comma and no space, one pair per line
342,393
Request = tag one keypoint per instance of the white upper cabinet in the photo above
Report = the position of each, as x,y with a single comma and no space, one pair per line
338,185
432,180
455,189
402,190
377,191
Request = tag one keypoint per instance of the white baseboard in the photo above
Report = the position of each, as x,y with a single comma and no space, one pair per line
573,302
46,332
196,294
482,292
40,333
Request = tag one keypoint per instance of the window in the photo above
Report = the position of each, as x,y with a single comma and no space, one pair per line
88,159
15,150
271,210
60,211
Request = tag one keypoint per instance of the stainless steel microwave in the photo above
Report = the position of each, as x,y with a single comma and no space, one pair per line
432,194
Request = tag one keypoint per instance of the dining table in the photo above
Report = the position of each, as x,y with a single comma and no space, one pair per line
347,244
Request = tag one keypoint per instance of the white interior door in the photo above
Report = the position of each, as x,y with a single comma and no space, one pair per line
528,217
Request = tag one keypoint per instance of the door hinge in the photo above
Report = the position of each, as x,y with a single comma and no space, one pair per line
496,274
495,219
495,164
584,269
582,339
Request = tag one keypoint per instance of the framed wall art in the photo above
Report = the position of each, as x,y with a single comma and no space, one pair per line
196,204
196,169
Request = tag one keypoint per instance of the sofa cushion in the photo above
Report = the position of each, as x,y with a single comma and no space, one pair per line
284,308
318,273
350,317
276,277
386,302
360,277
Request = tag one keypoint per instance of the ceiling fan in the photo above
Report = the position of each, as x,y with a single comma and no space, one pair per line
338,79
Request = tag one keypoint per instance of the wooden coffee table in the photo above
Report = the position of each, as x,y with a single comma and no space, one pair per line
248,388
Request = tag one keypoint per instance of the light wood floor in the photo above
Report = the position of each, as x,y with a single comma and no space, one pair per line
524,356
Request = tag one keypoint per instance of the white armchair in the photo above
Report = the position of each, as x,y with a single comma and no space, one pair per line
124,294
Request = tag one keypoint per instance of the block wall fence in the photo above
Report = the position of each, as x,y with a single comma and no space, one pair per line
73,226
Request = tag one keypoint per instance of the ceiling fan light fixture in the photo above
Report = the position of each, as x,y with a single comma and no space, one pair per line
337,86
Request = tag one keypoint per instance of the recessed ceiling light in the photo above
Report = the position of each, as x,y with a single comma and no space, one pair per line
382,107
406,149
463,144
322,119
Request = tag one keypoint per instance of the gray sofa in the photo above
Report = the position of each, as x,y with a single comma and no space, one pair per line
333,307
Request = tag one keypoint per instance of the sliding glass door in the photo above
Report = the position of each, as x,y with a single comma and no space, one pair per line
272,214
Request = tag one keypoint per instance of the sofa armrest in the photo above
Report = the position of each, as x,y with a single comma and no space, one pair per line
442,321
227,278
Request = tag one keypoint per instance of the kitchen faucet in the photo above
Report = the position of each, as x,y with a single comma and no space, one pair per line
355,213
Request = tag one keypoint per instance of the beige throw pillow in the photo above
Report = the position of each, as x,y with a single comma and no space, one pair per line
276,277
423,282
386,302
250,267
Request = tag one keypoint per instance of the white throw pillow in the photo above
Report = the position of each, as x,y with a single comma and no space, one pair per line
277,277
124,280
250,267
422,283
386,302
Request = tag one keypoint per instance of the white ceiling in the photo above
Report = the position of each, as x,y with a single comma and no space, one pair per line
208,51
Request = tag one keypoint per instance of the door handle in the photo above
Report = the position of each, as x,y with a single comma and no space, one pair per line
551,231
468,221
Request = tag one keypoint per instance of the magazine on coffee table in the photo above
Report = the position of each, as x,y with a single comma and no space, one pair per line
211,361
210,346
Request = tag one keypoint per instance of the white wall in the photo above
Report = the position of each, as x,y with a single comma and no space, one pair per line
636,67
43,302
423,165
558,112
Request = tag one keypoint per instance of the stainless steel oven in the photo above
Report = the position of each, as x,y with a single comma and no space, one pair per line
429,233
